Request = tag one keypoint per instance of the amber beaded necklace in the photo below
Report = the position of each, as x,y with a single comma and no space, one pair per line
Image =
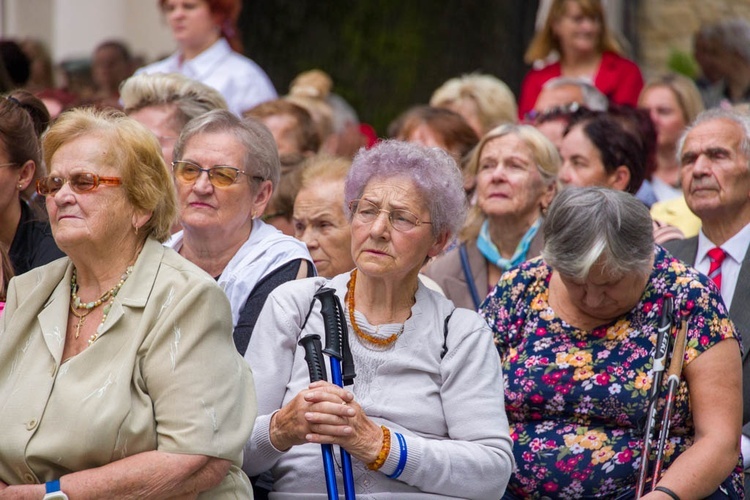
349,298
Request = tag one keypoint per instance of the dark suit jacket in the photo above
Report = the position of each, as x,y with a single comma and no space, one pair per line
686,251
446,270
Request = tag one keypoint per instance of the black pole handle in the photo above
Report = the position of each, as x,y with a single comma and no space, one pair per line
664,329
337,334
314,357
331,323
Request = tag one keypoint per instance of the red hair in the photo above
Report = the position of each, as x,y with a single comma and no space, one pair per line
228,11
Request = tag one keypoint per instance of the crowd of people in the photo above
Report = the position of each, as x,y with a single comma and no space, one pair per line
539,297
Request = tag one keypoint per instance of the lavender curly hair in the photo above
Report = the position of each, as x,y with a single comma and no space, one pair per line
433,171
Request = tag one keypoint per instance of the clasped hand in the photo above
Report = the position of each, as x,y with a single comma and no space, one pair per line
326,414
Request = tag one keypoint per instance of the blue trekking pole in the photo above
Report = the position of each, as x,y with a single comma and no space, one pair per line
317,369
337,349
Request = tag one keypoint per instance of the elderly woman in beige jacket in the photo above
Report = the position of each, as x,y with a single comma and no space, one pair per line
118,374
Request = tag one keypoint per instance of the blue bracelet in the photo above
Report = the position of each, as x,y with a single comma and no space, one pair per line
402,457
52,486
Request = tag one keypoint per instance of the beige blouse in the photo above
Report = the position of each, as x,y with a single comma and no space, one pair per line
163,375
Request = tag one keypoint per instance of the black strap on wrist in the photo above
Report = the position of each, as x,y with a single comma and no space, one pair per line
667,491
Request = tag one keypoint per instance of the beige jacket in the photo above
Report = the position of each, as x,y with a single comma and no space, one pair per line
163,375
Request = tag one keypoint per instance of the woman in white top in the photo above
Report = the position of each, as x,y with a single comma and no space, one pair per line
210,51
225,170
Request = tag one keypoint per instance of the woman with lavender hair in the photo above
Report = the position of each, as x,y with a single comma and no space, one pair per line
425,416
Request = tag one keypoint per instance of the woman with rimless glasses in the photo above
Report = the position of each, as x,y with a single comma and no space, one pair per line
224,173
118,375
425,416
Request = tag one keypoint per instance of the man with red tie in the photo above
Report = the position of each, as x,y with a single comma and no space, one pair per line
714,153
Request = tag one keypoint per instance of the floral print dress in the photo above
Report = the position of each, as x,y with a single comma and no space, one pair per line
576,399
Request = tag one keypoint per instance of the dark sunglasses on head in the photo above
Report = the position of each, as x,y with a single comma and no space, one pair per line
562,111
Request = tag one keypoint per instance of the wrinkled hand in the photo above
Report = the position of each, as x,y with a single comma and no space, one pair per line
327,414
22,491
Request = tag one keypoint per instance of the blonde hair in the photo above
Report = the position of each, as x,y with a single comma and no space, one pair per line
310,90
134,151
545,41
685,92
189,97
544,155
495,102
323,167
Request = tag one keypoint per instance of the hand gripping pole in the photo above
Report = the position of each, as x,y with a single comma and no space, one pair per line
337,349
316,366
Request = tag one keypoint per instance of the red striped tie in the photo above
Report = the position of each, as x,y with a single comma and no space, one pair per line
716,256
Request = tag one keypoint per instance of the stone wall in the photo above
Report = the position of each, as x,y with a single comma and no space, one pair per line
663,26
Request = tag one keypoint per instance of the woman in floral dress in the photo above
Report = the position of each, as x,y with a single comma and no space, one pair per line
576,329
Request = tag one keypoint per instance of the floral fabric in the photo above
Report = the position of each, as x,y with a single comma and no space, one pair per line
576,400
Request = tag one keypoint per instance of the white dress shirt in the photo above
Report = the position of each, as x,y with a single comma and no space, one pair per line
735,248
243,83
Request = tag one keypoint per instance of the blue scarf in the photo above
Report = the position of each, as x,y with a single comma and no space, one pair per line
492,254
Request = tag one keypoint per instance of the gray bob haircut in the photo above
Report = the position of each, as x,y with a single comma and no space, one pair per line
261,156
594,224
434,173
189,97
742,120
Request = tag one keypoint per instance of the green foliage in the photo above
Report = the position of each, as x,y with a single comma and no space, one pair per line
387,55
683,63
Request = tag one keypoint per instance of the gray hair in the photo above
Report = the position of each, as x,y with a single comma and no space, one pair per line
734,35
261,156
741,119
595,224
343,113
189,97
593,98
433,171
